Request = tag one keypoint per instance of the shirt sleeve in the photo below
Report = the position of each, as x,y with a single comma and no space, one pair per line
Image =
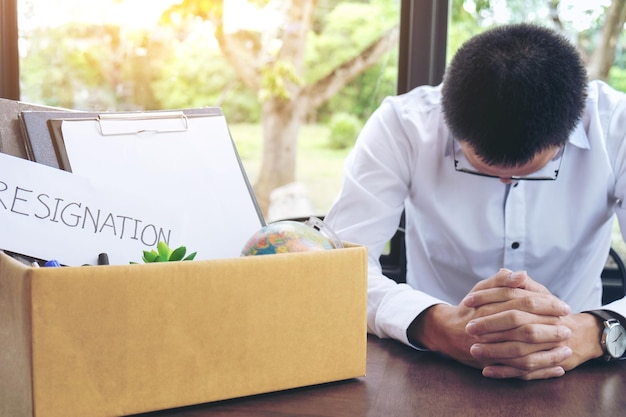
367,212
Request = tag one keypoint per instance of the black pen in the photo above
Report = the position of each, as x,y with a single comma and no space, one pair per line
103,259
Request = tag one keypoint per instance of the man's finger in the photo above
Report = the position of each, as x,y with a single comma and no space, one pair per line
539,365
516,299
507,278
535,333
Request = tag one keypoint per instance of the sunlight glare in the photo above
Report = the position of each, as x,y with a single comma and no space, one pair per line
129,13
240,14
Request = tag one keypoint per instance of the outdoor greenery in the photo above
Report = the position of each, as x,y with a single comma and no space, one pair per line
344,128
318,166
87,66
617,78
106,67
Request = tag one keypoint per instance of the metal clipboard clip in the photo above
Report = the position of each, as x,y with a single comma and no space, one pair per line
142,123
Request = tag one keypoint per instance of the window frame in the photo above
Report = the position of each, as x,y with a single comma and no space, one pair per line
9,54
422,61
423,43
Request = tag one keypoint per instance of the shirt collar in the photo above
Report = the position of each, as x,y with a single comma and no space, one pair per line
579,137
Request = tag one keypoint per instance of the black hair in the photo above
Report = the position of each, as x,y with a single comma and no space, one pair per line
513,91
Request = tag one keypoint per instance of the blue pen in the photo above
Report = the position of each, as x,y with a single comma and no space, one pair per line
52,263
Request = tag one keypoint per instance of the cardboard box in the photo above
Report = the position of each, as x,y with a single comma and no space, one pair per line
117,340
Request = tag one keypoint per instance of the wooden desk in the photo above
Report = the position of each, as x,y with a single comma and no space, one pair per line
403,382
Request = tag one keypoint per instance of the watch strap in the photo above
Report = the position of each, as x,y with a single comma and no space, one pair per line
606,316
603,314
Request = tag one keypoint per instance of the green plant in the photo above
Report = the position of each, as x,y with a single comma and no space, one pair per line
617,78
344,129
165,254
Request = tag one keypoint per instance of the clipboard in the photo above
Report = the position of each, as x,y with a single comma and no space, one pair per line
12,138
37,137
39,141
187,156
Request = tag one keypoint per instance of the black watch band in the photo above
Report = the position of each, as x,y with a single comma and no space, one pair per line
609,320
603,314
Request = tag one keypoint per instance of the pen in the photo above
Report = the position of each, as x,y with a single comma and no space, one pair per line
103,259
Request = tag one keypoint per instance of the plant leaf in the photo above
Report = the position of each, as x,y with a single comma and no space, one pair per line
149,256
164,250
178,254
190,257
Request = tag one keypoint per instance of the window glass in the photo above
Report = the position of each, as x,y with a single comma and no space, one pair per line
155,54
582,22
124,55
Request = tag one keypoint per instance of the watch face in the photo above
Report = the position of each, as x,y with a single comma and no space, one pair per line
616,341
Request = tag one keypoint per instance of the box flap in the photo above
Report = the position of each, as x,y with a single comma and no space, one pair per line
15,339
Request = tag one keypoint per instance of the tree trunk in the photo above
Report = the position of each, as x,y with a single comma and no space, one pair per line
288,101
281,126
282,115
282,118
604,53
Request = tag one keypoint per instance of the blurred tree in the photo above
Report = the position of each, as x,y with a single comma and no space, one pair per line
273,63
90,67
346,28
197,75
603,55
598,43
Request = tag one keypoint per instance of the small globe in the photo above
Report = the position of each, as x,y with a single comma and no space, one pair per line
284,237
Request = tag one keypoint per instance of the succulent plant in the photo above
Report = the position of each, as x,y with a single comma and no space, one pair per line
163,253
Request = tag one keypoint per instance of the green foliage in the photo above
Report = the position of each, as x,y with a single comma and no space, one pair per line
98,68
275,79
347,29
617,78
163,253
106,67
465,24
90,67
344,128
198,76
318,167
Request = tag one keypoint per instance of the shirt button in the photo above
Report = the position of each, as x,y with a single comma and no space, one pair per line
515,245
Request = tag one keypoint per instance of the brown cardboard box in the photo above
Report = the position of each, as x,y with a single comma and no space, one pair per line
116,340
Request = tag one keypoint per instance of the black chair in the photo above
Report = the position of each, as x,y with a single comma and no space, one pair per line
393,260
613,278
393,264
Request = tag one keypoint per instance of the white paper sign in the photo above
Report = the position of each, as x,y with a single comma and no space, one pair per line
47,213
189,162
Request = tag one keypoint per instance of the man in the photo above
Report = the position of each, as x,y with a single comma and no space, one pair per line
509,174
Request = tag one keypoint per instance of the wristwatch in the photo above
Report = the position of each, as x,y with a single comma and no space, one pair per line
613,339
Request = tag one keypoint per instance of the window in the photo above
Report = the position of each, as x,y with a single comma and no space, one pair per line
133,55
114,64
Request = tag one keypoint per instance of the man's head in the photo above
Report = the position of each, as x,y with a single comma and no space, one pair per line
514,91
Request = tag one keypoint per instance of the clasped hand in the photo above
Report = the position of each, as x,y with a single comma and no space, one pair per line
512,327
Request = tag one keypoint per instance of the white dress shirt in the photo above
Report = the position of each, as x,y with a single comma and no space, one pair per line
463,228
